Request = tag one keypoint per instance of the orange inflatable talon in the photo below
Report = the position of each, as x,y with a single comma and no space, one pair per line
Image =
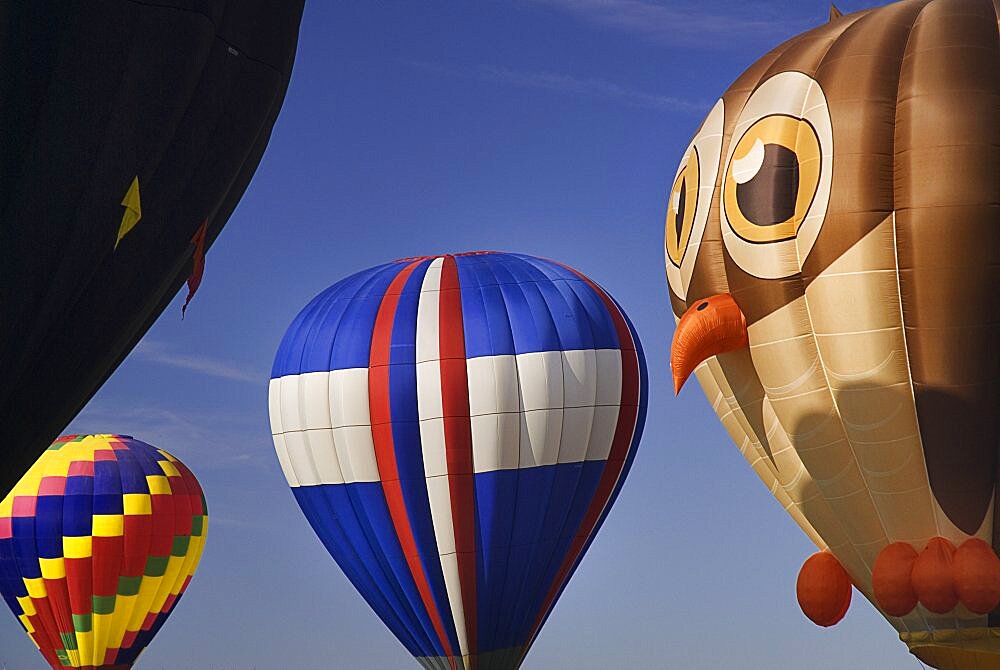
933,577
976,571
892,579
823,589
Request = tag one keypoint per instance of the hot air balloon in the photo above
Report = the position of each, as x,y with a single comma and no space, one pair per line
130,131
832,256
97,543
455,429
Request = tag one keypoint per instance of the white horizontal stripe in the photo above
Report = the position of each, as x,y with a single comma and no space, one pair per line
321,449
274,406
493,385
578,422
349,398
580,378
602,434
540,379
289,404
322,427
496,442
300,458
283,461
609,376
570,413
356,453
314,399
541,437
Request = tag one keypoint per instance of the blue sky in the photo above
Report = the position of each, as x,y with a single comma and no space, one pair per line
550,127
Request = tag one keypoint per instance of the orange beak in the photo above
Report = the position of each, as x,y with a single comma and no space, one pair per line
710,327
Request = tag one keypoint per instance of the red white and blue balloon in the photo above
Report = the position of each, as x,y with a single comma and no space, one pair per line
455,429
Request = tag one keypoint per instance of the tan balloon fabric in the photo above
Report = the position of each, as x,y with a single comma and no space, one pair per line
855,220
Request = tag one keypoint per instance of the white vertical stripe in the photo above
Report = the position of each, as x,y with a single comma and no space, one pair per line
432,441
428,342
429,401
440,498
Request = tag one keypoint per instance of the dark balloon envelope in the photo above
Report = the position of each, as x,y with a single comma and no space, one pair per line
115,109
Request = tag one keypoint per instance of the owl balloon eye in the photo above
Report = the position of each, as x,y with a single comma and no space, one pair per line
777,179
682,206
689,200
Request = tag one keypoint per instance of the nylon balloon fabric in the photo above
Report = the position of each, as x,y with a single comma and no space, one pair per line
843,196
98,541
455,429
126,126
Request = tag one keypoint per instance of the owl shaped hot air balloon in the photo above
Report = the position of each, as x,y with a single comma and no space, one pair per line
98,541
833,257
456,428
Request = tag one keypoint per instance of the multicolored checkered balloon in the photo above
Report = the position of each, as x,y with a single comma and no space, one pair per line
97,543
455,429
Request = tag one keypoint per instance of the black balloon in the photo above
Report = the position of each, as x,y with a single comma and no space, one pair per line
178,95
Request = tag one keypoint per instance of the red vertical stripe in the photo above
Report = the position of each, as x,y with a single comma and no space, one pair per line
385,453
458,441
624,432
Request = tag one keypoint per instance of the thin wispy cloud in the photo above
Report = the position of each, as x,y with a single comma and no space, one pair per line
156,352
597,88
569,85
682,24
207,439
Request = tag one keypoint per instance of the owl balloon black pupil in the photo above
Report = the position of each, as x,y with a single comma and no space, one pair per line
679,214
769,197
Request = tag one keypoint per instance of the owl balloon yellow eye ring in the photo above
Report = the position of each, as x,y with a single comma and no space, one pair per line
690,197
682,207
772,178
777,176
